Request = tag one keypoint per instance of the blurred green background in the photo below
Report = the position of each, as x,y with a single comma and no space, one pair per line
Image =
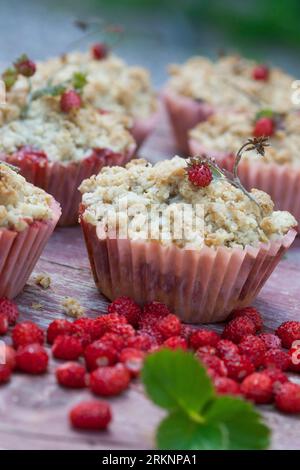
157,31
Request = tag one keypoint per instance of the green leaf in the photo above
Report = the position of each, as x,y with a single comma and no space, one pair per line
79,80
54,90
242,423
176,380
179,432
264,113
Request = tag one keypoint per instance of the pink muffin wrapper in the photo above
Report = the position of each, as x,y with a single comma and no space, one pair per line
199,286
143,127
281,182
20,251
184,113
62,180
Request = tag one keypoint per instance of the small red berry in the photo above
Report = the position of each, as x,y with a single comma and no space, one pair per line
3,324
141,341
237,328
67,347
133,360
288,332
271,341
287,398
91,415
69,101
114,340
27,333
5,373
169,326
25,66
238,366
32,358
261,72
71,375
204,337
126,307
175,342
99,354
226,386
254,348
125,331
10,356
212,362
109,381
277,358
186,332
151,313
99,51
258,387
277,377
9,308
58,328
251,313
226,348
264,127
199,174
294,354
207,350
31,155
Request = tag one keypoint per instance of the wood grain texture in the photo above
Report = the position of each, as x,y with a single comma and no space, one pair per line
33,410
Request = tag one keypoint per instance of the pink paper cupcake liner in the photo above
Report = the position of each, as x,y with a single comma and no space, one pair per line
142,128
281,182
19,252
199,286
184,113
62,180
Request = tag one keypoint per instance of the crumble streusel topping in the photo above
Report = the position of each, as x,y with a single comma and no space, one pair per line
20,202
65,136
72,307
224,132
229,82
231,219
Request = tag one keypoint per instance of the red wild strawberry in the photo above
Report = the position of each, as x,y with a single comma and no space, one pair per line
212,362
294,354
5,373
7,307
204,337
32,358
238,367
29,155
25,66
199,174
175,342
81,333
251,313
67,347
116,341
3,324
169,326
125,331
91,415
99,51
141,341
99,354
277,377
126,307
288,332
133,360
71,375
277,358
254,348
271,341
237,328
58,328
186,332
27,333
206,350
10,357
258,387
264,127
84,324
109,381
261,72
70,101
226,348
226,386
287,398
151,313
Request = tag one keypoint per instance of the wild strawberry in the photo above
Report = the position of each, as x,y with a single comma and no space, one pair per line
186,332
287,398
125,331
67,347
31,155
84,324
116,341
3,324
206,350
90,415
169,326
141,341
277,358
10,357
237,328
157,337
251,313
212,362
81,334
226,386
133,360
27,333
258,387
32,358
109,381
99,354
238,367
111,319
254,348
126,307
5,373
57,328
175,342
277,377
294,354
288,332
204,337
199,174
226,348
25,66
264,127
99,51
271,341
71,375
9,308
261,72
151,313
69,101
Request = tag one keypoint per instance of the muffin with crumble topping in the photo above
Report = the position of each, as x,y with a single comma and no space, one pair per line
28,216
191,240
200,87
60,141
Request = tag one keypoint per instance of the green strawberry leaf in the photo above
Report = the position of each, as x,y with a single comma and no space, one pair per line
176,380
54,90
264,113
79,80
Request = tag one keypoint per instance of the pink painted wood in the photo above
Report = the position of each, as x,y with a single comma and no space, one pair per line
33,410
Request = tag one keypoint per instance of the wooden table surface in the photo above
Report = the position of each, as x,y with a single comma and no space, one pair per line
33,410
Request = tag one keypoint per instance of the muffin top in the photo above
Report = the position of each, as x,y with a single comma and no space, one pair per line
145,202
65,136
224,132
230,82
21,203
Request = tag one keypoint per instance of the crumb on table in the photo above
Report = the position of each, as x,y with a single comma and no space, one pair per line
72,307
43,280
36,306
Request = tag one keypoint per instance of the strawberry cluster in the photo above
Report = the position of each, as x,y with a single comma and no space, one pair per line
106,353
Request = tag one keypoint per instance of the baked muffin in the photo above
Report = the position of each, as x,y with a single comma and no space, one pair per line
28,216
58,143
202,263
200,87
277,172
